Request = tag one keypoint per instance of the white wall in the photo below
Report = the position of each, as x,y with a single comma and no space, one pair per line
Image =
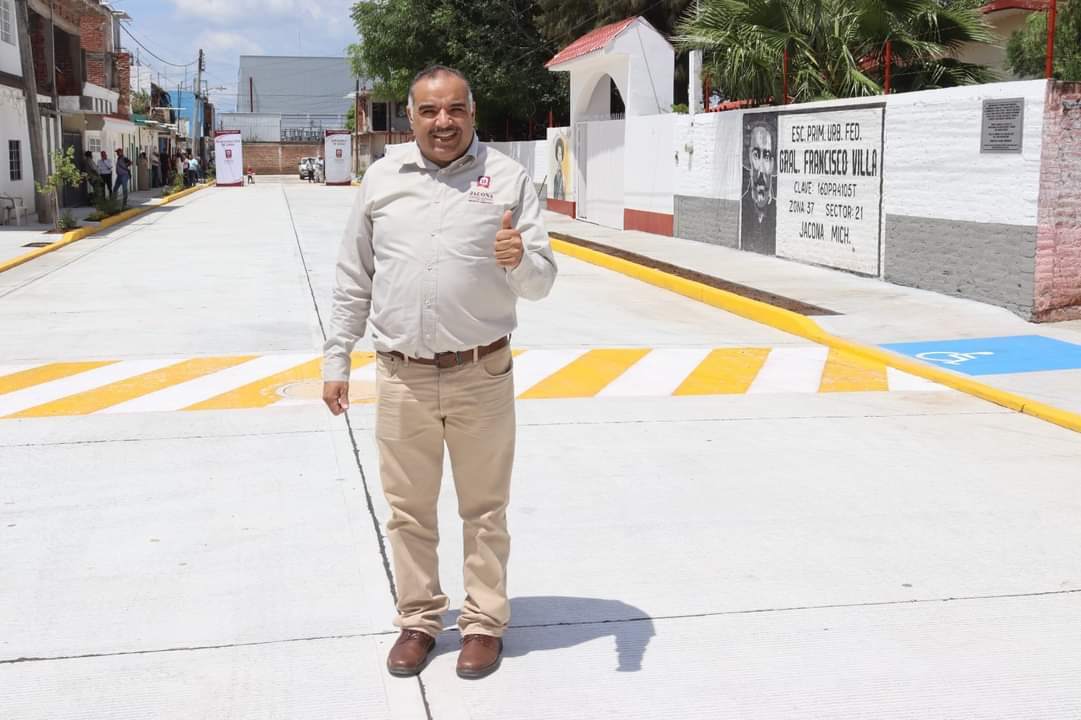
13,127
652,69
649,165
530,154
932,165
938,132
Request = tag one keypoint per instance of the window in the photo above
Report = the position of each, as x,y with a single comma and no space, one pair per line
379,117
15,158
7,20
93,144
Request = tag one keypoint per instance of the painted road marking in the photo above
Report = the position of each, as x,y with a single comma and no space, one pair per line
198,390
47,392
995,355
658,373
791,369
246,381
726,371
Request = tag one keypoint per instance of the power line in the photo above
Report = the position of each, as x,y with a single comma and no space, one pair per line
152,53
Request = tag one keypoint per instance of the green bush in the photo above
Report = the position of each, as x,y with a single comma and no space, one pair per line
67,221
105,205
680,108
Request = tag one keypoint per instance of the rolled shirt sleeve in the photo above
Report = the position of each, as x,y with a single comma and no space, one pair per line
535,275
352,297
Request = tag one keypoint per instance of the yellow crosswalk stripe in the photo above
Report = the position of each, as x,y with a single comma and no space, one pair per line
726,371
130,388
587,375
46,373
264,391
848,373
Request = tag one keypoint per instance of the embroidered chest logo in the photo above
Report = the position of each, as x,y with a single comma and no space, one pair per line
480,191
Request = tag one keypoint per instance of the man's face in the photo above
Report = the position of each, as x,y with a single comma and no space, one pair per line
761,160
442,119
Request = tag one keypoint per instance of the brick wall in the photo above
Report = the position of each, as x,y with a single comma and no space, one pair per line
38,28
1058,234
92,37
123,80
278,158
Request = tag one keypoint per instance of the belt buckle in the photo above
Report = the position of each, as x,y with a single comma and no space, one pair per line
458,355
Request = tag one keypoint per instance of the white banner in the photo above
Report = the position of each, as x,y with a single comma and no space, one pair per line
338,157
829,188
228,158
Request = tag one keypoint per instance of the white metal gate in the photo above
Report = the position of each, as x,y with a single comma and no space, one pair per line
600,185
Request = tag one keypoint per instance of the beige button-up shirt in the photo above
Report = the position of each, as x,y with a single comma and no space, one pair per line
418,258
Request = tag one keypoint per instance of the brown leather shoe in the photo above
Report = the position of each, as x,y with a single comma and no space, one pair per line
410,653
480,656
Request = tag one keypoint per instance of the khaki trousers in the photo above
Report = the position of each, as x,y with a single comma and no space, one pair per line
470,410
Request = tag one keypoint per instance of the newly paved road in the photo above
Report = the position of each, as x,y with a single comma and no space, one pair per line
710,518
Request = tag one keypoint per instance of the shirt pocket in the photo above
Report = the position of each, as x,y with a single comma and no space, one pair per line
473,229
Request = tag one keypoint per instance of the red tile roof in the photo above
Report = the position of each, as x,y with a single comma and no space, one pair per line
1014,5
590,42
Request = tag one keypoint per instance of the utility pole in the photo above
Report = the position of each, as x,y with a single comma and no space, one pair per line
196,105
33,112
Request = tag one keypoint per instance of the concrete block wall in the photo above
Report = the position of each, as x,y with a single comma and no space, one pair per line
1058,235
955,220
278,158
959,221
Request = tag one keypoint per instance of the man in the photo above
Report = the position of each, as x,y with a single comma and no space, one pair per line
123,174
94,184
193,168
105,170
758,224
445,235
155,168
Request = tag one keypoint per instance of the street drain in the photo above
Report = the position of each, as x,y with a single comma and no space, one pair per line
38,244
360,391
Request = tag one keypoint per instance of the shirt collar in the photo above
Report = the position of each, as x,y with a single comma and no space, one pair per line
469,156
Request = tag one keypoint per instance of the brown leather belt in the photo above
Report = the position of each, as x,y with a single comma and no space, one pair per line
455,358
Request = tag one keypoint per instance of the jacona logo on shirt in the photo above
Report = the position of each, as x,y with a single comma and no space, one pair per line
480,191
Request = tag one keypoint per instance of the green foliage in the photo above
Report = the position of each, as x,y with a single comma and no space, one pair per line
351,118
105,205
564,21
836,48
65,174
1026,51
680,108
67,221
494,43
140,103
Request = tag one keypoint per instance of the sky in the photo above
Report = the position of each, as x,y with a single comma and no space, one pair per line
174,30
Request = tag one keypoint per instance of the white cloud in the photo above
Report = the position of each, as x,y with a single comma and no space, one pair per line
221,40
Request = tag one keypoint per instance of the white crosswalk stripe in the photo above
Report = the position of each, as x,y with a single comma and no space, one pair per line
203,388
791,369
81,382
658,373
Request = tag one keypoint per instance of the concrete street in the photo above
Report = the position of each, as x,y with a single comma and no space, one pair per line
710,518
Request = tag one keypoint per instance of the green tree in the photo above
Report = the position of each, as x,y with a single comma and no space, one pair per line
836,48
351,118
65,173
561,22
493,42
1026,52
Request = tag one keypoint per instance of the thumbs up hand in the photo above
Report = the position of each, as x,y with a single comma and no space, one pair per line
508,243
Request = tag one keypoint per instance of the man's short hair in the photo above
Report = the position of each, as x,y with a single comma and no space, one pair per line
434,70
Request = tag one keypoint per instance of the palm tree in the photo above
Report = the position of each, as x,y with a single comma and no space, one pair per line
836,48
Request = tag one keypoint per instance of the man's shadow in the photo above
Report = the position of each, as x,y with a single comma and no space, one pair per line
553,623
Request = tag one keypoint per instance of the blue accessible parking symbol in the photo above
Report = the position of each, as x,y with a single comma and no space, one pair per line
995,355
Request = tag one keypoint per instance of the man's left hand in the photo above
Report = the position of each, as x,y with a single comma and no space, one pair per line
508,244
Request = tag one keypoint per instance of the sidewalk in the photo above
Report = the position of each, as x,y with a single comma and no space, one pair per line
875,312
14,238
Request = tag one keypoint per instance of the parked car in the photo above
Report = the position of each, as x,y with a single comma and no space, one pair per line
305,167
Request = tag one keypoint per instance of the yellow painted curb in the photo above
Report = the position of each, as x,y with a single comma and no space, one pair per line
73,236
805,327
